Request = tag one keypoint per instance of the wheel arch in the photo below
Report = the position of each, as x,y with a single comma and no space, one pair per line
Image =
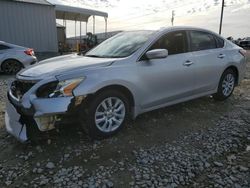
235,69
124,90
90,127
11,59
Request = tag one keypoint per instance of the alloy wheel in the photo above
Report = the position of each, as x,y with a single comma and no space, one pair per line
228,84
110,114
11,67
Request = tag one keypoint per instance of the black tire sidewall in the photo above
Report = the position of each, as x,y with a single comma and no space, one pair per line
219,95
8,61
92,129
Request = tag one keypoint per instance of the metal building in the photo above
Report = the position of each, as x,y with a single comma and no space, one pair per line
32,23
29,23
61,33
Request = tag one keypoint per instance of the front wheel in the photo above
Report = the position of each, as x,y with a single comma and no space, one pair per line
106,114
226,85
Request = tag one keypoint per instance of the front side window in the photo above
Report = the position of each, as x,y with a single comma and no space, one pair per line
3,47
174,42
202,41
121,45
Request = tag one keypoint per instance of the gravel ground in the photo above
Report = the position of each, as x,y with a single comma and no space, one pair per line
200,143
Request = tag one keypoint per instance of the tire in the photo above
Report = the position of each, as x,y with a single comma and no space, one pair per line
102,123
11,66
226,85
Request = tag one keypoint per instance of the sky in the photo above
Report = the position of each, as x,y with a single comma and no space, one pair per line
155,14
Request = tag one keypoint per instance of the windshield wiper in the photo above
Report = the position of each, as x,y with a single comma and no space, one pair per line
93,56
115,56
104,56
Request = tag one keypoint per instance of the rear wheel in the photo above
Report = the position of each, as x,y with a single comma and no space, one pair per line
106,114
11,66
226,85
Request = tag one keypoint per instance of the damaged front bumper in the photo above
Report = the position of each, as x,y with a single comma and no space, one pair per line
42,115
13,123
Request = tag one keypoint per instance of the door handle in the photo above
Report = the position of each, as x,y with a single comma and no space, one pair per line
188,63
221,56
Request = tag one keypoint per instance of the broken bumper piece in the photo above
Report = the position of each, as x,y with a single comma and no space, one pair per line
42,116
13,123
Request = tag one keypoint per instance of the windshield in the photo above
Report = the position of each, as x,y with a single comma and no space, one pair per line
120,45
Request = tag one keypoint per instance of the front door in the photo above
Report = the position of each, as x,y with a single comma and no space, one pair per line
168,79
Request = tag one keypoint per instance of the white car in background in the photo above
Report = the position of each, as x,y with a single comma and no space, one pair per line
13,58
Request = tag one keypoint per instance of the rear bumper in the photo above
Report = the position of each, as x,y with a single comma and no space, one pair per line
242,69
29,60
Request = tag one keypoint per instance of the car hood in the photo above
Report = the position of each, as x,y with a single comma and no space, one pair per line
63,64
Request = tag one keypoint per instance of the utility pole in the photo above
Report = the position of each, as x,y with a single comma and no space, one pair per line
221,16
172,19
80,36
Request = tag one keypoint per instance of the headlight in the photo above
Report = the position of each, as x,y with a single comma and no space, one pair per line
59,89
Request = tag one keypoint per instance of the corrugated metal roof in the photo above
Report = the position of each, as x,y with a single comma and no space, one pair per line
75,13
41,2
68,12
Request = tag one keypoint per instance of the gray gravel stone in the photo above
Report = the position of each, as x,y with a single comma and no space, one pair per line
243,169
110,184
8,183
218,164
50,165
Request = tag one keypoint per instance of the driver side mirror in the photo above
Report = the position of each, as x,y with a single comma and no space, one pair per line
157,54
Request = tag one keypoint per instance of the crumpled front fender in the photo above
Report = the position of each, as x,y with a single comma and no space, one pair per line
51,106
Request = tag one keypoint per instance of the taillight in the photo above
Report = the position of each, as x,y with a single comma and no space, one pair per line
243,52
29,52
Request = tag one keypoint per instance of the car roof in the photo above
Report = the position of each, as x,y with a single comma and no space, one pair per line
12,45
176,28
186,28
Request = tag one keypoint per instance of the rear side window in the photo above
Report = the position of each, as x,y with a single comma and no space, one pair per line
202,41
3,47
220,42
174,42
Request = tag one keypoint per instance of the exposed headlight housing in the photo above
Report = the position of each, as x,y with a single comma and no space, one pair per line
59,89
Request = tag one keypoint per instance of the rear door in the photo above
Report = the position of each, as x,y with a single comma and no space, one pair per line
209,57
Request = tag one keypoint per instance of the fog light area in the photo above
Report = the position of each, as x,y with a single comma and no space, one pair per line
46,123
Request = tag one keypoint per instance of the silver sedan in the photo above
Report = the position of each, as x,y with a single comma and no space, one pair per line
126,75
13,58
